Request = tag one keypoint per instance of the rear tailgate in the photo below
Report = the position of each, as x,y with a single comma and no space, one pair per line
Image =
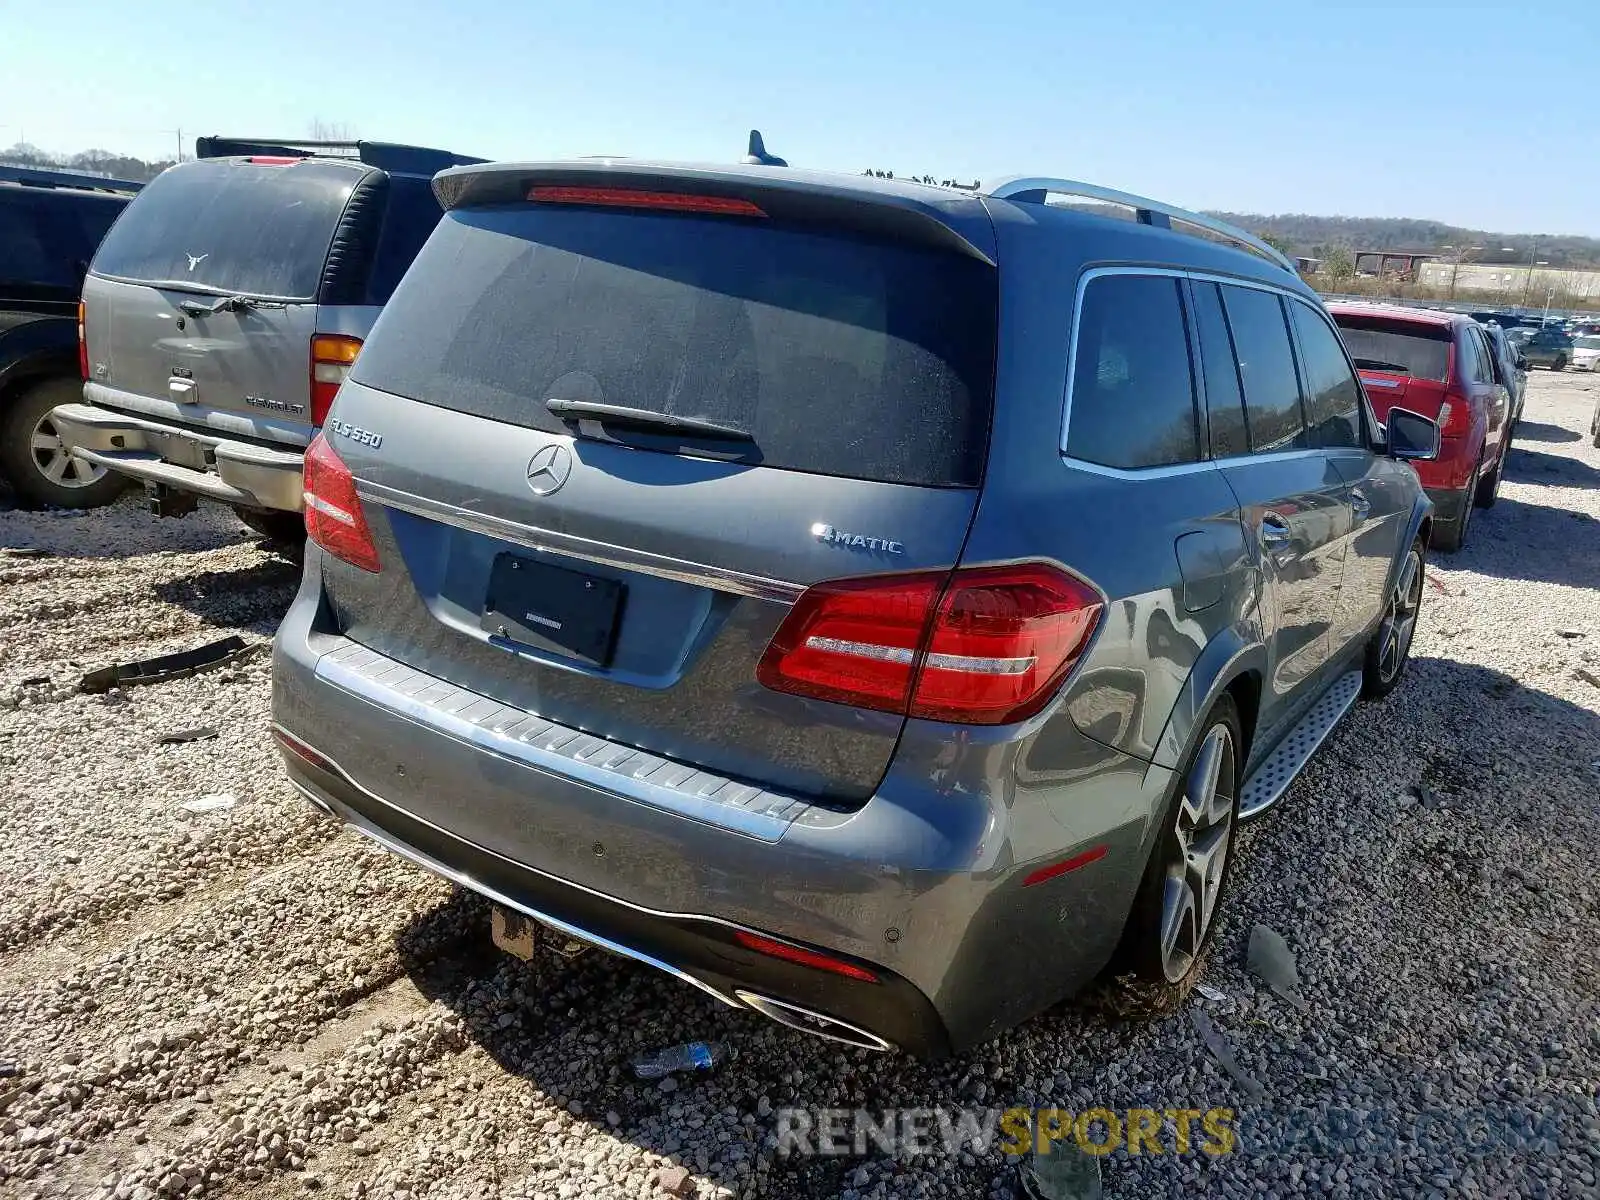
626,580
1401,363
248,240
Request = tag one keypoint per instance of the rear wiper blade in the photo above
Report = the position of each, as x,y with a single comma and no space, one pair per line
644,418
226,304
1377,364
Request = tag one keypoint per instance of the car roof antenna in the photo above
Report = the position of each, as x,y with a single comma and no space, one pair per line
757,155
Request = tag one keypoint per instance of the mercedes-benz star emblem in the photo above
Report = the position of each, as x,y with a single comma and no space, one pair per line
548,469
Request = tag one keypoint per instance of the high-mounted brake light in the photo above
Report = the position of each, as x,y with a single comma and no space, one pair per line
83,347
979,646
729,206
274,160
331,356
799,954
333,511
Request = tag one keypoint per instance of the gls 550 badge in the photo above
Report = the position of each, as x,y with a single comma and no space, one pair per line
355,433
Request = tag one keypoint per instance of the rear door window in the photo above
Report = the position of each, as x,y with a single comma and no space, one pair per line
226,225
1333,393
1266,367
838,355
1411,348
1132,401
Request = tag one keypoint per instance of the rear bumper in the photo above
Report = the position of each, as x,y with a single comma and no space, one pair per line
235,472
924,892
1448,504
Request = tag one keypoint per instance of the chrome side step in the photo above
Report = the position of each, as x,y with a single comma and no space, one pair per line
1272,778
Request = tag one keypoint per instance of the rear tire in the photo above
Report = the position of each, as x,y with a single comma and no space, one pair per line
39,467
1390,648
1560,363
1488,490
1174,913
1450,536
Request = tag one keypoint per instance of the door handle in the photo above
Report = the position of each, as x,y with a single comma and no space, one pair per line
1361,505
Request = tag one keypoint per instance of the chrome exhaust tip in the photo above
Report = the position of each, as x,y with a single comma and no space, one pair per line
816,1024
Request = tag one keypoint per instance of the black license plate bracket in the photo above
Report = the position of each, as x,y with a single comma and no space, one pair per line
552,608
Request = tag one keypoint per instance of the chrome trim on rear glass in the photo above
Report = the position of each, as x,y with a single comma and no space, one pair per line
623,557
531,740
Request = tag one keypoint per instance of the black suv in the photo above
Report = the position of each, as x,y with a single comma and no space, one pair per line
50,224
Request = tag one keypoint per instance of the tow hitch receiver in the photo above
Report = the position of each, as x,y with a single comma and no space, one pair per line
166,501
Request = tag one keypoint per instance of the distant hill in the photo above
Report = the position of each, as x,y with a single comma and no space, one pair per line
1313,236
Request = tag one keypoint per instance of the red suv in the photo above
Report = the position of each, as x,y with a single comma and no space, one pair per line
1440,365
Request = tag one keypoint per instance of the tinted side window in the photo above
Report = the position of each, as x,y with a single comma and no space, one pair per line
1132,386
1224,400
1266,365
1333,394
25,252
408,219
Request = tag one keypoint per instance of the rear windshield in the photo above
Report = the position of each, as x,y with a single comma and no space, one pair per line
224,225
839,356
1398,347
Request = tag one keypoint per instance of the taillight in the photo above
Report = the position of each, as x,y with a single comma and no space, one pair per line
333,512
1455,414
981,646
83,347
331,356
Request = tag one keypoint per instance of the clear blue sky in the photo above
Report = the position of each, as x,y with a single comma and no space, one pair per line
1480,116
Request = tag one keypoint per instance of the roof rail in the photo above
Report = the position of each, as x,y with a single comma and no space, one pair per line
37,177
1036,189
386,156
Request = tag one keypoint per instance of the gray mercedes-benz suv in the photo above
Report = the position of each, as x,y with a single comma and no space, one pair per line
872,603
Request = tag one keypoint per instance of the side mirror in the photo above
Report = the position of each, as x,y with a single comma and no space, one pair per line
1412,436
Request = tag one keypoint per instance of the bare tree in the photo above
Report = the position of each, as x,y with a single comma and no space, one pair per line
330,131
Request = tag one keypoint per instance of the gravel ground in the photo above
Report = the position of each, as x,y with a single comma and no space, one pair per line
251,1001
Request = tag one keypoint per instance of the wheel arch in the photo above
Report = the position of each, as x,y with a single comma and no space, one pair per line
1234,661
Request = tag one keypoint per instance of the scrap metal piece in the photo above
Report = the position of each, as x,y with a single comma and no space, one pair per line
1223,1053
166,666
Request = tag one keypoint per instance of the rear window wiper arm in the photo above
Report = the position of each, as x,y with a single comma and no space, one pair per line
644,418
225,304
1377,364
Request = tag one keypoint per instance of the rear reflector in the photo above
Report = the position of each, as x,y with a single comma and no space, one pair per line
773,948
630,198
1094,854
83,346
333,512
331,356
981,646
300,750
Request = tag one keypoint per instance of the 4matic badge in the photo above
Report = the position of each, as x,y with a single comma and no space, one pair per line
855,541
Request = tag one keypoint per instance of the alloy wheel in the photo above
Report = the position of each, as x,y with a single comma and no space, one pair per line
1204,833
55,464
1400,619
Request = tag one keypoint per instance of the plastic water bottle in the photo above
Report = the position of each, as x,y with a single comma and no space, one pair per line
689,1056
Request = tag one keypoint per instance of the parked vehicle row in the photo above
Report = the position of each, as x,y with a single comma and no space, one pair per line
708,563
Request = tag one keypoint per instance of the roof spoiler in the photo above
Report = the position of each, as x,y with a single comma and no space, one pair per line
36,177
930,222
385,156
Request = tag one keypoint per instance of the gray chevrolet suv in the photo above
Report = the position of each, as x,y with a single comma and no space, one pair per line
225,306
873,604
